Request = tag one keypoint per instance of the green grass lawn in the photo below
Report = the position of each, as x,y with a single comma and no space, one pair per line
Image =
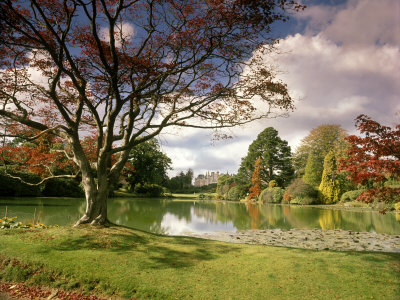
132,263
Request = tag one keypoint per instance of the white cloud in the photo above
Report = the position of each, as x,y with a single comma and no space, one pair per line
171,224
124,32
356,22
366,22
346,63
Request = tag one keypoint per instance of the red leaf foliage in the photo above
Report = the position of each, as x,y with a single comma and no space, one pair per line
373,157
19,290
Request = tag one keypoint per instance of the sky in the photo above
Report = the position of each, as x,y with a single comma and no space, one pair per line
338,58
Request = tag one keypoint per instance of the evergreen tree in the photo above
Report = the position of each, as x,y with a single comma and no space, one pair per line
183,181
330,189
275,156
255,188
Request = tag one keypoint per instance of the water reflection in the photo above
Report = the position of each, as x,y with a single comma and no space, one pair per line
177,217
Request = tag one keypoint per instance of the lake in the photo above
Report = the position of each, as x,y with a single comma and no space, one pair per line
178,216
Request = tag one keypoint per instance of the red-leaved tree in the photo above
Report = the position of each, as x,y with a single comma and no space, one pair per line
374,158
128,69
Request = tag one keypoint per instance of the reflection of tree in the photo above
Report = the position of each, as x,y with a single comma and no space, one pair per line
254,214
147,214
208,211
370,221
329,219
300,217
272,216
233,212
49,211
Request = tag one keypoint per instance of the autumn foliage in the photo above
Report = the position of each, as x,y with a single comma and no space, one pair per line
373,158
255,188
127,70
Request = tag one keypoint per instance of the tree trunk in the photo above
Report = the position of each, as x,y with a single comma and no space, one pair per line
96,202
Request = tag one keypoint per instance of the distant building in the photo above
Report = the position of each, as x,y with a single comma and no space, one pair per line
207,179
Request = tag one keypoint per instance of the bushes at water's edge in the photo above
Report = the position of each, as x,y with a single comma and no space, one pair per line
56,187
15,188
149,190
62,187
351,195
272,195
299,192
234,194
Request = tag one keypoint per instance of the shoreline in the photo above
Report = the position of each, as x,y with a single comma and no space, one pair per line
313,239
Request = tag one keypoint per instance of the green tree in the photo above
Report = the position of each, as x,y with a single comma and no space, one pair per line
313,170
275,157
330,189
181,182
318,143
150,164
224,184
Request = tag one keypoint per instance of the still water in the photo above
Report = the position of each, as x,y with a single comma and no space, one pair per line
179,216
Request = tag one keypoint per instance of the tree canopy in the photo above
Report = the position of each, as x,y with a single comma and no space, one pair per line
330,189
182,181
122,71
275,158
150,164
374,158
308,158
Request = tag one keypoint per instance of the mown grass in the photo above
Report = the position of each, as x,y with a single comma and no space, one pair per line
131,263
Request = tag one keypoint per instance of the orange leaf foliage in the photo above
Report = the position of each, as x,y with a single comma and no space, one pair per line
255,188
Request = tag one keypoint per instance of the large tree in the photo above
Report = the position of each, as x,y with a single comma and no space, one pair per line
308,158
181,181
124,70
150,164
373,158
275,157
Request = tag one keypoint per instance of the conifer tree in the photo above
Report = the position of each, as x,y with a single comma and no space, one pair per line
329,189
275,155
255,188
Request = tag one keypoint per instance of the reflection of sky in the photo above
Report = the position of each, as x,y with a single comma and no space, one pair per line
173,225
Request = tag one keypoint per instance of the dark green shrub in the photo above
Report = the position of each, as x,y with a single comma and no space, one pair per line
272,195
234,194
300,192
351,195
205,196
15,188
62,187
149,189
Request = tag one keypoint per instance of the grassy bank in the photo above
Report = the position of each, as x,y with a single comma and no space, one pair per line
191,196
132,263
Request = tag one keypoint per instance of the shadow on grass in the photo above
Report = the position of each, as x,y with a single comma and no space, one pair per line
155,251
377,256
